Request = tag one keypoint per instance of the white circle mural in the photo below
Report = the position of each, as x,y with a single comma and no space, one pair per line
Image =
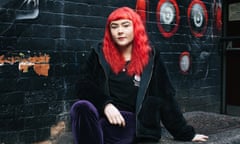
167,17
167,13
197,18
184,62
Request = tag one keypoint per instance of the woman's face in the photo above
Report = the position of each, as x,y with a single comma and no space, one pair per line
122,32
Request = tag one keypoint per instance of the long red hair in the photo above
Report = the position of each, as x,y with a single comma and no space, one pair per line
141,47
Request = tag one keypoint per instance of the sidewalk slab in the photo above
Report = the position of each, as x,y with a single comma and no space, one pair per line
221,129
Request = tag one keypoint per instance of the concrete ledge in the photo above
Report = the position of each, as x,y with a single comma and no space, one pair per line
221,129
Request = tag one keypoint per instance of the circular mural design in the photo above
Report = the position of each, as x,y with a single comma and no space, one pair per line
141,8
197,18
167,13
167,17
184,62
219,17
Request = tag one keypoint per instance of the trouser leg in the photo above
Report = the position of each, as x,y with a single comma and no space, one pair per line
114,134
85,123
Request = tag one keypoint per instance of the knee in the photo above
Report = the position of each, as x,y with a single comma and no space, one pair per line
82,106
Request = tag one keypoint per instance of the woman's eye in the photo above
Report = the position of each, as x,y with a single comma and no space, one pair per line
113,27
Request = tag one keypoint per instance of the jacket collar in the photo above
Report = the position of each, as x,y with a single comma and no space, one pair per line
102,60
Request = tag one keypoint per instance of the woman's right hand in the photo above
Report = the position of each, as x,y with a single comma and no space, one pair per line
200,138
113,115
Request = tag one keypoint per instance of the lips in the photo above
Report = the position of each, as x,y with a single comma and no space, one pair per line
121,38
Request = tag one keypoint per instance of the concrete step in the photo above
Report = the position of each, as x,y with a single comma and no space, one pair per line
221,129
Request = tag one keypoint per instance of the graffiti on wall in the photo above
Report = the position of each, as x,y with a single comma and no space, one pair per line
168,16
23,10
29,9
39,63
168,21
12,10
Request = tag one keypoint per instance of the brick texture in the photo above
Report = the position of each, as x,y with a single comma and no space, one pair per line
65,30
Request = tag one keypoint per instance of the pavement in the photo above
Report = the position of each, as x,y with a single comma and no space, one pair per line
221,129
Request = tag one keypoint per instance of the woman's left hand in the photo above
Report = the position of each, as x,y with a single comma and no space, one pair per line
200,138
113,115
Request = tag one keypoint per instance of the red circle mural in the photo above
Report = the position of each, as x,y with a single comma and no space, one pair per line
218,17
141,8
184,62
167,17
197,18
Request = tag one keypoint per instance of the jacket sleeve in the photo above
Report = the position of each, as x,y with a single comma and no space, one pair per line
170,112
90,85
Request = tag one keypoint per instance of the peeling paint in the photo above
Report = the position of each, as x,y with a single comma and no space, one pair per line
40,63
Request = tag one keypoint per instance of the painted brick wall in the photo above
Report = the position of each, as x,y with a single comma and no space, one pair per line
42,51
199,89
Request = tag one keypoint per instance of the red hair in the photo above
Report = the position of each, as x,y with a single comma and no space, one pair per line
141,47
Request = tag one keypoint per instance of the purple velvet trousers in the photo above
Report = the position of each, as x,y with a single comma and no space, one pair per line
89,128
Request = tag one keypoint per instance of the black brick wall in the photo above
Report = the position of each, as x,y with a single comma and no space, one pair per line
65,30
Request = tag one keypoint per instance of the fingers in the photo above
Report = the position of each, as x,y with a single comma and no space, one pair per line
200,138
113,115
117,120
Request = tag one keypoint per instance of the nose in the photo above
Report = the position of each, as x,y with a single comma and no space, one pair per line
120,30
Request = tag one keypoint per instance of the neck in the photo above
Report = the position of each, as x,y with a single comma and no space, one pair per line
127,53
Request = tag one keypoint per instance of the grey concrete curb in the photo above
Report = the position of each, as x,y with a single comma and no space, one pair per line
221,129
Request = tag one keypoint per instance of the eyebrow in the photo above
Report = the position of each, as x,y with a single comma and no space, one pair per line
124,22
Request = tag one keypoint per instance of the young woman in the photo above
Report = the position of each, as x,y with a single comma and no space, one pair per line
125,90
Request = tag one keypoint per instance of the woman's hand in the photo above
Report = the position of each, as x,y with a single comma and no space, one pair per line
113,115
200,138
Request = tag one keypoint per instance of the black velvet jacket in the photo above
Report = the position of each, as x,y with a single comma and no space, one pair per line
155,98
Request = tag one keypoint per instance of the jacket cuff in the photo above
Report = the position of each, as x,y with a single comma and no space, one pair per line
187,134
104,104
